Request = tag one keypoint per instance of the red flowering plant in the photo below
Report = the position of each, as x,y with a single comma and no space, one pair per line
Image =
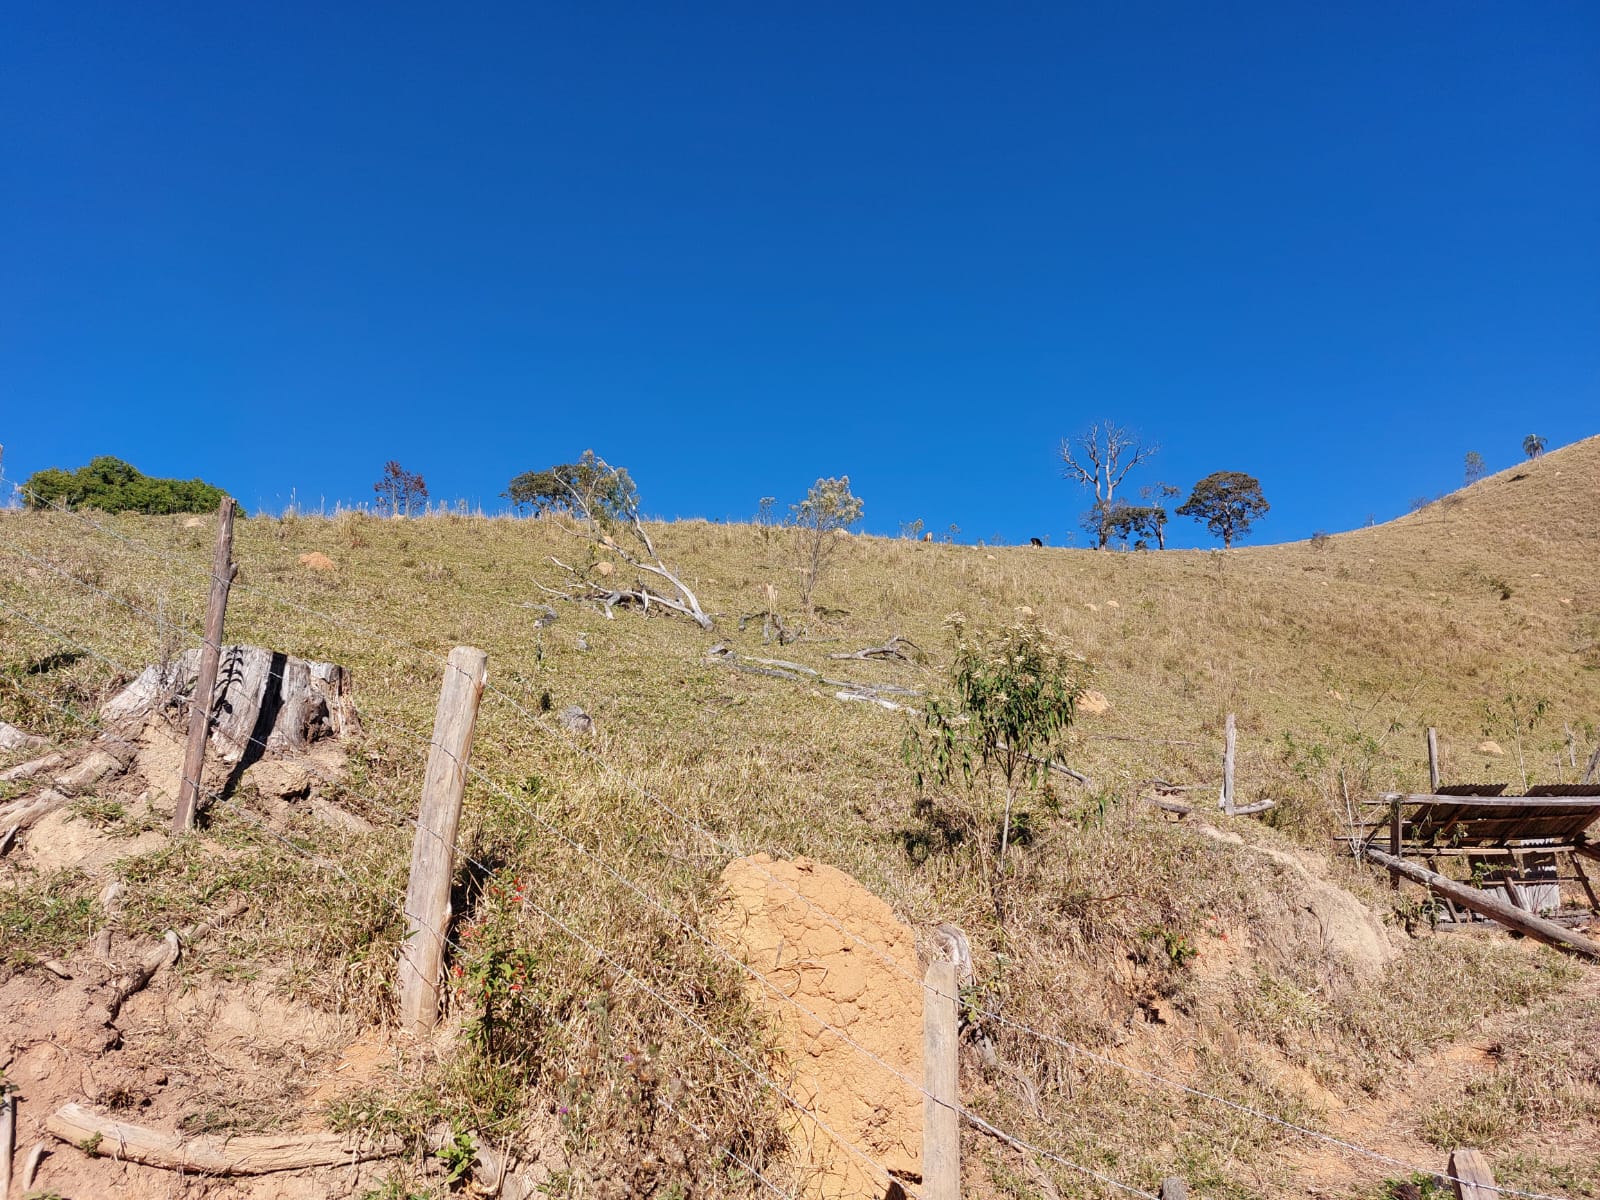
494,974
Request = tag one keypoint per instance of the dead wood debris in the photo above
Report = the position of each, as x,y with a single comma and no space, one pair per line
778,668
243,1155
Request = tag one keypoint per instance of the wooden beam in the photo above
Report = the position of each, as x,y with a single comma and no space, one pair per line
1490,801
1230,743
1471,1176
1486,904
941,1103
251,1155
427,908
194,755
1394,839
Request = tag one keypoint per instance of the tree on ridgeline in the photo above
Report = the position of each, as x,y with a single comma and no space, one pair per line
111,485
1228,503
1100,458
1533,445
1125,524
398,491
588,488
828,510
598,504
1474,467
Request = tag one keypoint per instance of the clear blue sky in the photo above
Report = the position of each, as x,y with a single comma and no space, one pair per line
735,247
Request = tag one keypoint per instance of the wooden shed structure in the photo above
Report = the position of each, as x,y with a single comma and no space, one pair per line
1515,851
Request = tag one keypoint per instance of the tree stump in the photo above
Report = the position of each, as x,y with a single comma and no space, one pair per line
266,701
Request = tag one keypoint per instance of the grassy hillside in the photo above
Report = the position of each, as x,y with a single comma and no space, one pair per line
1170,948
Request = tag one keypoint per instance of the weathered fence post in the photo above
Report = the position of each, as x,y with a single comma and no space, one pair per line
941,1105
200,708
1230,742
1173,1188
433,853
1394,841
1473,1179
1433,759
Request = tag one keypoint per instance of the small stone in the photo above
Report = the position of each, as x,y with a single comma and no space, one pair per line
574,720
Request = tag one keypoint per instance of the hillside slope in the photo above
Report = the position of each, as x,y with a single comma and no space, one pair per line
1235,958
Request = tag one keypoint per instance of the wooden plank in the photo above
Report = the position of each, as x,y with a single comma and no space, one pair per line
1394,839
427,906
1230,744
1433,758
200,708
1471,1176
1486,905
941,1103
243,1155
1554,803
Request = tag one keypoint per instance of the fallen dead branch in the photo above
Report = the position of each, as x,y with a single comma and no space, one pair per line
607,500
165,955
136,979
894,648
21,813
778,668
244,1155
30,1167
1058,767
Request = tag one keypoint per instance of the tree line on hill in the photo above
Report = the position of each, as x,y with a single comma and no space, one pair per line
1100,459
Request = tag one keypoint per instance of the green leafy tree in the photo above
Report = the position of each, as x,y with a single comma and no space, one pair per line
111,485
1474,467
399,490
1533,445
828,510
1013,696
588,488
1124,523
1228,503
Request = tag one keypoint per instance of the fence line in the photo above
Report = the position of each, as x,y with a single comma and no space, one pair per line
488,873
673,915
665,909
538,721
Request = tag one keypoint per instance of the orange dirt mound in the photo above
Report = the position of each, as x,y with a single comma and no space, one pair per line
803,955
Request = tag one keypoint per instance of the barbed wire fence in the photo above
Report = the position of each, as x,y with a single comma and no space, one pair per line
525,708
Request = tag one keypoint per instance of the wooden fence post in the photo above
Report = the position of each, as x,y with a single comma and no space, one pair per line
1230,742
200,708
433,852
1473,1179
1433,759
1394,841
1173,1188
941,1106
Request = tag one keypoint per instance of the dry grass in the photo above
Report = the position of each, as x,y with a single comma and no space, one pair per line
1335,658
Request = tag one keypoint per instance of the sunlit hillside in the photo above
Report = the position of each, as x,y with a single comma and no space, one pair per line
1229,953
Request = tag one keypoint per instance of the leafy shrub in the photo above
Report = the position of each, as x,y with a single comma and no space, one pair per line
112,485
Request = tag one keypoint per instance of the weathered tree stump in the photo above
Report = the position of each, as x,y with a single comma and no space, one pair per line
266,702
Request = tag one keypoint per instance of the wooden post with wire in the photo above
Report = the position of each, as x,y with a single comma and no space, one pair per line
1230,743
941,1102
1173,1188
1471,1176
1433,759
223,569
427,908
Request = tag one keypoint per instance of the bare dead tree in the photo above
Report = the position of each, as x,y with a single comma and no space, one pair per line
616,526
1101,458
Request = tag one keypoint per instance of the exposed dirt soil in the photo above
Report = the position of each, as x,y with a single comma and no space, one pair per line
804,956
